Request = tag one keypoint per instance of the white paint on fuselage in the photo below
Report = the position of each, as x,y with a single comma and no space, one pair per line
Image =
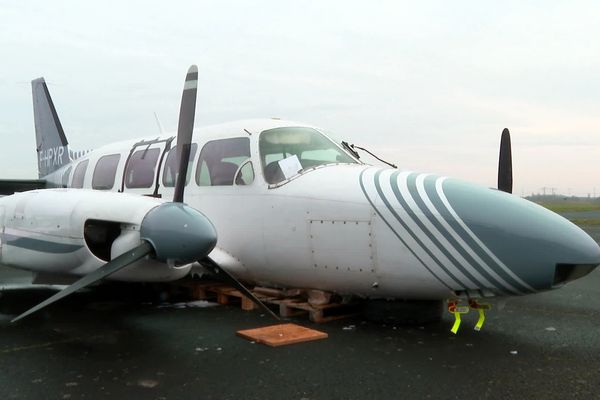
50,226
317,230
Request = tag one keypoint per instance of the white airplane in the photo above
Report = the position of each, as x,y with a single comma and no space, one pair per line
293,208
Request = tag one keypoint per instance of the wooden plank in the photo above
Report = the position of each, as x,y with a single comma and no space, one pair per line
275,293
282,334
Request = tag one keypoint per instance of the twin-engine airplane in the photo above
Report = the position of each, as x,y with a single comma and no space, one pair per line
293,208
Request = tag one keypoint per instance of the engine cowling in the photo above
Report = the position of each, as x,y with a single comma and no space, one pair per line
75,231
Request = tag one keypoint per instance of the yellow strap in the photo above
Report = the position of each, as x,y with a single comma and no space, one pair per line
481,319
456,322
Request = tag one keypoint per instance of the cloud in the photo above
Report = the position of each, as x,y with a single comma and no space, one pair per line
430,84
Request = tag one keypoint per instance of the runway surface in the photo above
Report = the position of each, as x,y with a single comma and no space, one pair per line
113,342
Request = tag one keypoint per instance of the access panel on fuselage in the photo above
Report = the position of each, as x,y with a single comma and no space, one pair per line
342,245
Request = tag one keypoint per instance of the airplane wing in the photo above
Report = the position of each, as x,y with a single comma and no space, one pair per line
10,186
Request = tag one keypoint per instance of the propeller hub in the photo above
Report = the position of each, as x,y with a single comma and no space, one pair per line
178,233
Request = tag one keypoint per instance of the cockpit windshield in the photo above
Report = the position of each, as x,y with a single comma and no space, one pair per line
285,152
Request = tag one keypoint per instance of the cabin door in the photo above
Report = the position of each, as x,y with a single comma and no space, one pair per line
141,173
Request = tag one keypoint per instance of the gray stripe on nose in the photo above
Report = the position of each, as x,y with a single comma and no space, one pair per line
389,225
435,191
416,238
450,261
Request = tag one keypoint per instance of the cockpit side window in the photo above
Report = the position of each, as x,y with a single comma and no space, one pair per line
79,174
285,152
170,170
220,159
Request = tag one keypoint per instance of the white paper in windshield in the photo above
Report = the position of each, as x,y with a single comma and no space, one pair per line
290,166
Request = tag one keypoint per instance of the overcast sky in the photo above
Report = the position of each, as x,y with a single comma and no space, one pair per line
428,85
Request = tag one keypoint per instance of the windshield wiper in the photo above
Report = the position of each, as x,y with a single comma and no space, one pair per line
351,147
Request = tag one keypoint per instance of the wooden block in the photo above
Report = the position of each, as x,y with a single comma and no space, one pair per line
247,304
318,297
287,312
282,334
222,298
284,311
316,316
199,293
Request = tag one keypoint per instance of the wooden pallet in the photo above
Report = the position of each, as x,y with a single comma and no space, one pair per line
290,303
223,293
316,313
226,293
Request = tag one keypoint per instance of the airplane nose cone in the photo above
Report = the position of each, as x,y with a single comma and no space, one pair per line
531,247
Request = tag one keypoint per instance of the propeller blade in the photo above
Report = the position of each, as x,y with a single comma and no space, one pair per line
505,178
227,277
185,128
109,268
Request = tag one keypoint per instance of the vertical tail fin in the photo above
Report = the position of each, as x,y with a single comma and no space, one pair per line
52,146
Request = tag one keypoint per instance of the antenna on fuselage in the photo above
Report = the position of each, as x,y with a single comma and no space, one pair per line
160,126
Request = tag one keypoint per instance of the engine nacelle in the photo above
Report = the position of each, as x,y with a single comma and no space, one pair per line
75,231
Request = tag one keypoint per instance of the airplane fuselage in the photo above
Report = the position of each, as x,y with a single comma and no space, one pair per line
316,218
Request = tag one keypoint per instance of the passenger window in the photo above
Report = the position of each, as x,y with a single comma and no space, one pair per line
245,175
141,168
79,174
105,171
220,160
170,170
65,177
202,178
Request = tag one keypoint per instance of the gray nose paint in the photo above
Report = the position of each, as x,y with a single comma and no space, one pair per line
470,237
527,238
178,232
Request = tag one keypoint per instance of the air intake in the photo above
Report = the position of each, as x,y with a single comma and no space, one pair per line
569,272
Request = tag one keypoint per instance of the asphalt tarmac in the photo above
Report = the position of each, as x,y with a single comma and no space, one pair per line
116,342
